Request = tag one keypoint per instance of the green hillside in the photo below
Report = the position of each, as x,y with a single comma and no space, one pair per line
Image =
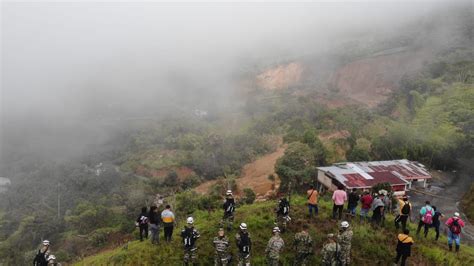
369,247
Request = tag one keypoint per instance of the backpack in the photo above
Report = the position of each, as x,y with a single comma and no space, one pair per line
40,258
188,237
455,227
244,243
406,208
428,217
143,220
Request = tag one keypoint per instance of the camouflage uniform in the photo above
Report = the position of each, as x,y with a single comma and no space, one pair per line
344,239
190,252
244,257
330,254
282,214
221,255
274,247
304,247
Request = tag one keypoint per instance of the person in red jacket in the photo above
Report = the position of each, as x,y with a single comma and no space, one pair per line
455,225
366,201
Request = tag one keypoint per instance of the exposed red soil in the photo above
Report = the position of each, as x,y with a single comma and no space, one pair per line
371,81
280,77
254,176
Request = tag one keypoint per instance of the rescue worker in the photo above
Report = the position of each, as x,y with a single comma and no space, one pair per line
229,208
244,244
167,217
303,244
455,225
331,252
405,211
274,247
221,246
283,214
189,235
426,218
52,261
403,247
344,239
42,254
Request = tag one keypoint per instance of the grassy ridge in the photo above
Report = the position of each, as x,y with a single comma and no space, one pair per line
369,246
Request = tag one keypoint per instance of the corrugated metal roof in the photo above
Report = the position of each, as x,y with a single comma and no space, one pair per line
367,174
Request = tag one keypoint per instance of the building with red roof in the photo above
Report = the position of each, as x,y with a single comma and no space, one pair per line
400,174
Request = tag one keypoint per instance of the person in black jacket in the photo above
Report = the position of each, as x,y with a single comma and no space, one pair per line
352,202
436,221
41,258
229,208
403,247
154,220
142,223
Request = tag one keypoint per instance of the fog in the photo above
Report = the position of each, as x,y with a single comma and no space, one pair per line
68,66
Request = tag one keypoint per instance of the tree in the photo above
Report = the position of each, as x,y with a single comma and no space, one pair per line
297,165
249,196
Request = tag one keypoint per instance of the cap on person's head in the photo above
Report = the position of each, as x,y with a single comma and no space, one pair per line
427,202
354,189
311,186
46,242
405,198
51,257
344,224
406,231
330,236
305,226
229,192
243,226
276,229
168,207
456,214
190,220
434,207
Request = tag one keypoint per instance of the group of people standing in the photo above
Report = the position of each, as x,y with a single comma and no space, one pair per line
152,220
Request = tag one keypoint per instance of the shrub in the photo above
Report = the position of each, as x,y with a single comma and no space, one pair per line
249,196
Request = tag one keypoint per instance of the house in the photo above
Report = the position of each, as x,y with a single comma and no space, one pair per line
400,174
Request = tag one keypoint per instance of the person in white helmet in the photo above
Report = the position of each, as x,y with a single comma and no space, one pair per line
455,225
244,244
274,247
344,239
229,208
41,258
189,235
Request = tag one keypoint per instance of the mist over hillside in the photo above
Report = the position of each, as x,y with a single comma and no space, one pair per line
109,106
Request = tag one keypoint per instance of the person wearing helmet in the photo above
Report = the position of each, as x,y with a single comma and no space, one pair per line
283,213
52,261
42,255
244,243
222,247
344,239
189,235
274,247
303,244
455,225
331,252
229,208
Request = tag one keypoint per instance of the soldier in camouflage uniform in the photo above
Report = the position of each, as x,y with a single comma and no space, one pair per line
330,252
229,208
345,239
274,247
244,244
221,245
190,235
303,246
